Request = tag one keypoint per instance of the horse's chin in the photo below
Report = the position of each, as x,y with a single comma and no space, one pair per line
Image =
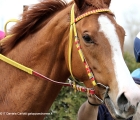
116,113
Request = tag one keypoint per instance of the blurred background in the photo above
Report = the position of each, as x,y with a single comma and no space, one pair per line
127,14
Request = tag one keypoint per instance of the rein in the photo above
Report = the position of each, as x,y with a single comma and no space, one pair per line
32,72
89,72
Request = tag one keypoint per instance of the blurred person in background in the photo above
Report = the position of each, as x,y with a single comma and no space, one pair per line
136,73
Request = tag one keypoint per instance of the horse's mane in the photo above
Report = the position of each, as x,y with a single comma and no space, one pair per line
32,20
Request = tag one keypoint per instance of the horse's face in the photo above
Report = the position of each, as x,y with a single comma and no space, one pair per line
101,40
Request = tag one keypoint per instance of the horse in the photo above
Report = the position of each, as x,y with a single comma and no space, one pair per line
54,40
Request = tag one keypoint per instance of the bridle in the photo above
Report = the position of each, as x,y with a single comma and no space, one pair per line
89,72
78,46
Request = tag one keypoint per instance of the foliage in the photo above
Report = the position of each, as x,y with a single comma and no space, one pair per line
68,102
131,62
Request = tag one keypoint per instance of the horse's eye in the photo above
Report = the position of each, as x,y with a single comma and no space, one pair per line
87,38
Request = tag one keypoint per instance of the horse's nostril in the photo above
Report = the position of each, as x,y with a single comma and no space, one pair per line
123,103
122,99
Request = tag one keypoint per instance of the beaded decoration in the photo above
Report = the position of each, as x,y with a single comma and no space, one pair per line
91,12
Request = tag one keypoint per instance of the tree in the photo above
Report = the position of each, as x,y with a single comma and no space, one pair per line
131,62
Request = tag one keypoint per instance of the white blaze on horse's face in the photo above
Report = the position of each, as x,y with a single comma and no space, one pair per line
127,89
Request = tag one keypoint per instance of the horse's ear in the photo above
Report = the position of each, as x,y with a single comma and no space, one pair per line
107,2
79,3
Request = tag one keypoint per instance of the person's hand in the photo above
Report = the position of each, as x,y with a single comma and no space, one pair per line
93,100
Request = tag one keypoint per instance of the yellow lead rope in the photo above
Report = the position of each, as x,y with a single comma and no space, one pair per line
15,64
30,71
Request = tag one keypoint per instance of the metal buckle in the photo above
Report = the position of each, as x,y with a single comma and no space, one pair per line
105,95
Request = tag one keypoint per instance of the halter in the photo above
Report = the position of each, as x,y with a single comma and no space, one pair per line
89,72
78,46
77,42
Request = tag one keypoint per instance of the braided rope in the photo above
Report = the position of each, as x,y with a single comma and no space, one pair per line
91,12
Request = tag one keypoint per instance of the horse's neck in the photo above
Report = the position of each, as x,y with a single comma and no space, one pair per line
46,48
44,52
50,48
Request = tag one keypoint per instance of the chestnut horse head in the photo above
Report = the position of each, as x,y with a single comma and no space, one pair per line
40,40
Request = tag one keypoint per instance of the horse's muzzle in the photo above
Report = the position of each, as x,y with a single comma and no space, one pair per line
118,114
